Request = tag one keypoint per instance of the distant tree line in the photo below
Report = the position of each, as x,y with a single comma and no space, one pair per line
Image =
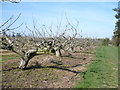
116,33
106,42
14,34
116,36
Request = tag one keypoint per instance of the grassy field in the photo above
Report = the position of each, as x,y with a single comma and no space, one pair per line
8,57
103,71
44,70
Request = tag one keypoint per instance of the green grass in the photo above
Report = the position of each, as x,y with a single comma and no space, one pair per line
119,66
8,57
103,71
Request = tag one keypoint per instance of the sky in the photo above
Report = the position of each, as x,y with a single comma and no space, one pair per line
96,19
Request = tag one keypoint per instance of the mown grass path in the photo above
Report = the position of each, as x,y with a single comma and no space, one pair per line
103,71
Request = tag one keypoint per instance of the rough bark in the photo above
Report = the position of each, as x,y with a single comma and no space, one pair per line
58,53
23,63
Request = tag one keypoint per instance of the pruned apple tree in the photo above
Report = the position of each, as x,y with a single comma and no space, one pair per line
29,46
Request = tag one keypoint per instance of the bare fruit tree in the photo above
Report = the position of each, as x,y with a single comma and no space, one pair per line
27,46
24,47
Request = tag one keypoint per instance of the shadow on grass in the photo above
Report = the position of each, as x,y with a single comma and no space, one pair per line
55,67
87,52
9,69
75,65
81,58
38,66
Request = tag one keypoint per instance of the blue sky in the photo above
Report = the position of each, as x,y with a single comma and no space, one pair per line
96,19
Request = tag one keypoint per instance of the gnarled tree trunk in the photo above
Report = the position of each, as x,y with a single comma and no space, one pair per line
58,53
25,59
23,63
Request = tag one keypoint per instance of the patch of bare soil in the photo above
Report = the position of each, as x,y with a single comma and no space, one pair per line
45,71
